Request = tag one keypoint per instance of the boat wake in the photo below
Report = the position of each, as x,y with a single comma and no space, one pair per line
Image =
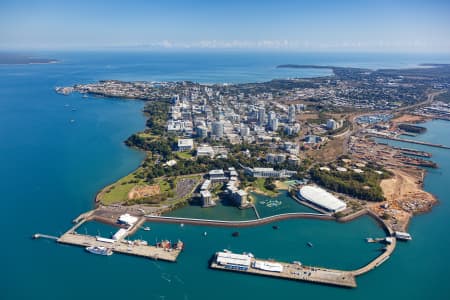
166,277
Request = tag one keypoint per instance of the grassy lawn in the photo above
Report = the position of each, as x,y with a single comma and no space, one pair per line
184,155
118,191
147,135
258,184
163,185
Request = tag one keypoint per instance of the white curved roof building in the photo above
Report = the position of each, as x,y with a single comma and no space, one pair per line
321,198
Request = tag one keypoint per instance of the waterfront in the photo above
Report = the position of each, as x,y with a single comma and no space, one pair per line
51,169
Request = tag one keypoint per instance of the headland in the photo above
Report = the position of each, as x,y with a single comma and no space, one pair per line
315,137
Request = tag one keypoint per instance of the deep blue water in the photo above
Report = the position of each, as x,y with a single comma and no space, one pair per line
51,168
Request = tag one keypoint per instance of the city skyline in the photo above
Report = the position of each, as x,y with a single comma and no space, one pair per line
405,26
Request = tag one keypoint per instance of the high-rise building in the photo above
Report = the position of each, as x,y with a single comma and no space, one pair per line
291,114
244,130
217,129
262,116
272,115
201,131
274,124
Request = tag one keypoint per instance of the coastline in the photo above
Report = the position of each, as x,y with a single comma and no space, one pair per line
372,208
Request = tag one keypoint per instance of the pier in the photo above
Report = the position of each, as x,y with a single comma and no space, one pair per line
122,246
256,211
44,236
298,272
411,141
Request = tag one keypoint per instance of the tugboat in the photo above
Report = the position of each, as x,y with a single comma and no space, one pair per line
99,250
235,234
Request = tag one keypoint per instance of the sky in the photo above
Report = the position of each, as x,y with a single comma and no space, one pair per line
302,25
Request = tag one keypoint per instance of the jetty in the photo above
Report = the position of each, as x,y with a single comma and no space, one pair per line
296,271
44,236
117,245
411,141
122,246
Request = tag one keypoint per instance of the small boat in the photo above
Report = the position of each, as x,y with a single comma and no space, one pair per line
205,233
146,228
275,227
72,121
309,244
182,225
179,245
235,234
99,250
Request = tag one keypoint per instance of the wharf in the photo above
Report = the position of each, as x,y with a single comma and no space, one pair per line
294,271
157,253
412,141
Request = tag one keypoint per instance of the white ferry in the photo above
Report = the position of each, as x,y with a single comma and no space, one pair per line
99,250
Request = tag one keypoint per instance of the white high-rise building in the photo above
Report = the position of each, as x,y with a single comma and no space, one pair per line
274,124
291,114
272,115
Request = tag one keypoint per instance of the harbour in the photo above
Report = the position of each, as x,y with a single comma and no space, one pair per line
128,225
43,270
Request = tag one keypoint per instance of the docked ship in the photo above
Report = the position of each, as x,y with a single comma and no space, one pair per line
99,250
168,246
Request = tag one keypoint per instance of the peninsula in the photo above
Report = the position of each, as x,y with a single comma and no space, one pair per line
19,59
318,138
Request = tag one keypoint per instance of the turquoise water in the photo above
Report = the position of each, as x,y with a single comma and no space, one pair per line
283,203
226,210
51,169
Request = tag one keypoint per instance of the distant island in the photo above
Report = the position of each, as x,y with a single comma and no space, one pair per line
19,59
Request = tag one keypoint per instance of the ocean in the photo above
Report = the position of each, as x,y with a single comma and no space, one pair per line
57,151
